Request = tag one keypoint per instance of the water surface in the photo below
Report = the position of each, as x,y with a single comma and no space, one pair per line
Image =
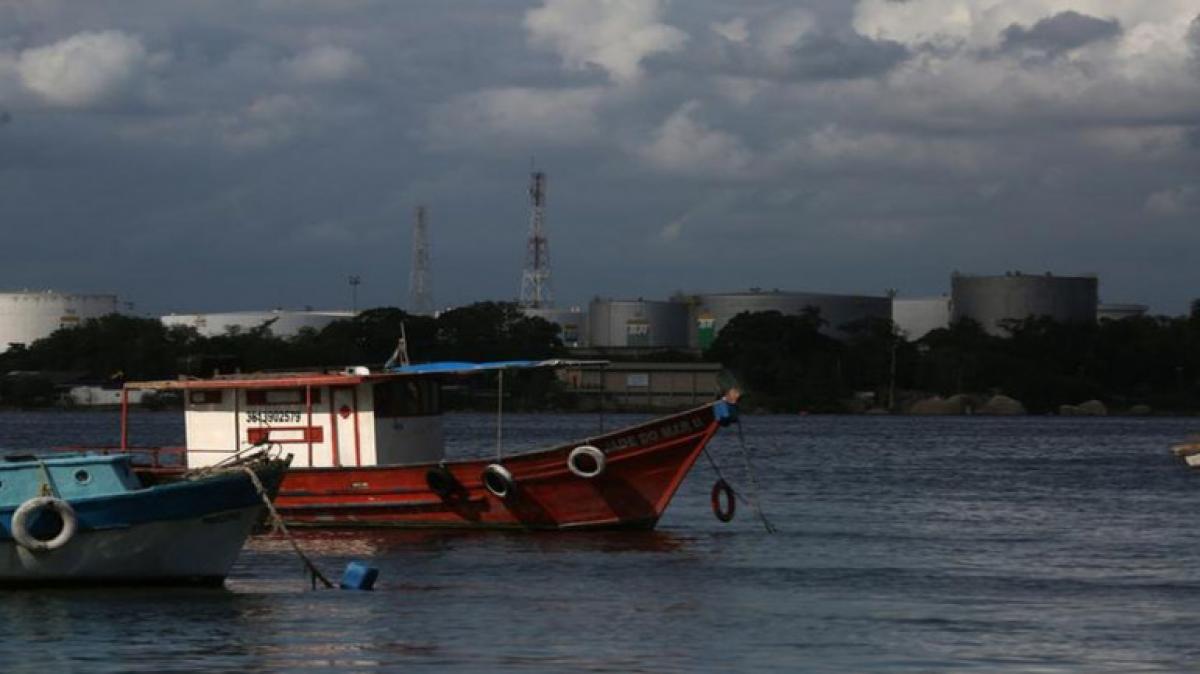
904,545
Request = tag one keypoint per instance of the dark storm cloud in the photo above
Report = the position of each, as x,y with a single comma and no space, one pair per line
846,56
277,146
1059,33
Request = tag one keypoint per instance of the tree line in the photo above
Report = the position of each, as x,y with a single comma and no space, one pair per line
117,347
787,363
782,362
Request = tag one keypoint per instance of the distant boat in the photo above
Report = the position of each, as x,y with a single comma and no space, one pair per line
92,519
367,451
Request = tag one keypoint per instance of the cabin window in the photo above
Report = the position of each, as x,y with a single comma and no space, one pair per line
204,397
407,398
82,476
281,396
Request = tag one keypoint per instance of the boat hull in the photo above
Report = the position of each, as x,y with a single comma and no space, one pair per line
195,551
179,531
644,466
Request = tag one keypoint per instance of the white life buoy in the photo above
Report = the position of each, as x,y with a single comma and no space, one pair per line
498,480
20,523
586,461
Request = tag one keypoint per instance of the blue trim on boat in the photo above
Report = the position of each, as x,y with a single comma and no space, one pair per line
463,367
186,499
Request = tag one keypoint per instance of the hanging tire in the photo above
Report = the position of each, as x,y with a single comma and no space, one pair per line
442,482
22,517
723,512
586,461
498,481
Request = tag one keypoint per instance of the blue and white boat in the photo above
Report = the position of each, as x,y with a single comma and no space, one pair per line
96,519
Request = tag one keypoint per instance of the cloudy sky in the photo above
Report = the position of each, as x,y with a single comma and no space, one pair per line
248,154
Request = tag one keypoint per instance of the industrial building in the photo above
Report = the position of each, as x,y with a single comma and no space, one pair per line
1116,312
282,323
643,386
572,322
991,300
711,312
918,316
27,316
637,324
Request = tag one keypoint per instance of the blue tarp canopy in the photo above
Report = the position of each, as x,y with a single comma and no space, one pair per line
462,367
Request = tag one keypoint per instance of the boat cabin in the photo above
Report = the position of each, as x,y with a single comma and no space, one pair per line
68,476
342,419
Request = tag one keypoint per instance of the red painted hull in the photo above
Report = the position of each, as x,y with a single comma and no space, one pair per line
645,465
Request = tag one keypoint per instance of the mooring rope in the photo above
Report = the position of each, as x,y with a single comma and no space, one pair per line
750,472
751,501
278,525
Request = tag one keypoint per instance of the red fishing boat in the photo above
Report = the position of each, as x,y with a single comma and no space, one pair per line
367,450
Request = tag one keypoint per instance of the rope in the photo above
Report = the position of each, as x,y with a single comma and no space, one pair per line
278,525
751,502
753,481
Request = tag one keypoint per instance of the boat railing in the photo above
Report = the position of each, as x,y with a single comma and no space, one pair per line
152,458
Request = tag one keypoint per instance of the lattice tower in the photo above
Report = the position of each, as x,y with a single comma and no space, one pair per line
420,281
535,280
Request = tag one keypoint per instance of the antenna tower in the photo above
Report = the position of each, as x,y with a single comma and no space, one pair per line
535,280
420,284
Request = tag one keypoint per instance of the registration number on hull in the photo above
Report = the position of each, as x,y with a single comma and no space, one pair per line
273,417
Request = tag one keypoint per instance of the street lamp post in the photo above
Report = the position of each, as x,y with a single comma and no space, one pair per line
355,282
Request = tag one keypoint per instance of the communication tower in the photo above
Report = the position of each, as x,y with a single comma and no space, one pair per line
420,283
535,280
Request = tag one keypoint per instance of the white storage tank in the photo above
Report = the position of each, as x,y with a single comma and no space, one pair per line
572,322
1117,312
918,316
282,323
992,300
28,316
637,323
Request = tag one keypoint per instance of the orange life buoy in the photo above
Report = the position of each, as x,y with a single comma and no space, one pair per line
724,514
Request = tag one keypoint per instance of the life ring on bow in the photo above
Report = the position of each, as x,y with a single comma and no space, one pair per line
27,510
442,482
586,461
721,488
498,480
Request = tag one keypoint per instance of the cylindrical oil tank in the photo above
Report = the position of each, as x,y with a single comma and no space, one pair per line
712,311
572,322
1117,312
28,316
991,300
637,323
282,323
916,317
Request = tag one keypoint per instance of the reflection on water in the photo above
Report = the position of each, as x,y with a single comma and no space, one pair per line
908,545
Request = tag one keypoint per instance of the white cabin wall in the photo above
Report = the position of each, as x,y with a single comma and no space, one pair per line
210,429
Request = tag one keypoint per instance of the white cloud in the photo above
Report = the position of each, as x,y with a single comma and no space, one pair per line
980,23
783,32
734,30
520,115
686,146
85,69
266,121
325,63
1174,201
615,35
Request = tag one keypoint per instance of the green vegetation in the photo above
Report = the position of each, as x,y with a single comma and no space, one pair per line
786,364
123,347
783,362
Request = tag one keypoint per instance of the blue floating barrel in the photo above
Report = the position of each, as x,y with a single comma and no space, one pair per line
359,576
